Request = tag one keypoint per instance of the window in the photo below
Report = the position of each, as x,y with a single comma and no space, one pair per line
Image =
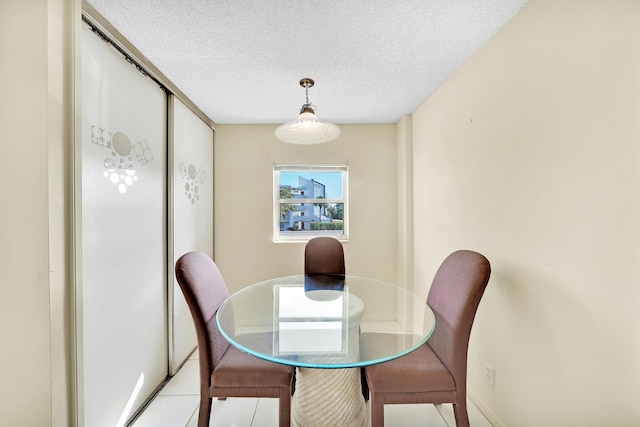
309,201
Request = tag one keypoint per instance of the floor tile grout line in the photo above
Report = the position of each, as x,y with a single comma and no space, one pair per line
195,413
255,411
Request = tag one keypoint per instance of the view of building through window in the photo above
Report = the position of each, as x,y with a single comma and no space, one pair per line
310,201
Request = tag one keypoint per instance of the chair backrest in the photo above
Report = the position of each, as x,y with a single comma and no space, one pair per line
204,290
454,297
324,255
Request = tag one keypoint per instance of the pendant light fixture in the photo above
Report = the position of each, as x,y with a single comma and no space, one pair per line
307,129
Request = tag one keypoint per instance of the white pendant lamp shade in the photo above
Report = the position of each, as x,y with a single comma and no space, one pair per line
307,129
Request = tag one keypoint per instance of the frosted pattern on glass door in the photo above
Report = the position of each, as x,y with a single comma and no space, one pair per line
124,334
123,158
192,211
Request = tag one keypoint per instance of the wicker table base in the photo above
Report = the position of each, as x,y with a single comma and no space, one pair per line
328,398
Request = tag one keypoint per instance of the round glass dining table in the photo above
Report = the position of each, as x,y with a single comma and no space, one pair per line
326,326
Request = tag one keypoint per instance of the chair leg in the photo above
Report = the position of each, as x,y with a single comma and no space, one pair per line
460,413
284,408
377,411
205,411
365,384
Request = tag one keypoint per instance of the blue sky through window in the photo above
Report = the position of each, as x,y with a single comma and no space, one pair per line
331,180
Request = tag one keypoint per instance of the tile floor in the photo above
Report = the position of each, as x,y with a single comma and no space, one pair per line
177,406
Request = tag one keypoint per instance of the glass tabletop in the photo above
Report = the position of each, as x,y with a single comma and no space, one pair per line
325,321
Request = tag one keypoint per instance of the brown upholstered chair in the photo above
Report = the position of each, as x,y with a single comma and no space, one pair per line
323,255
226,371
437,371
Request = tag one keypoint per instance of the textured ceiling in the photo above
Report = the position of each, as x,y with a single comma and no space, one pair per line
373,61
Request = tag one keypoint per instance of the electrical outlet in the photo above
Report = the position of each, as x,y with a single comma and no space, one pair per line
490,375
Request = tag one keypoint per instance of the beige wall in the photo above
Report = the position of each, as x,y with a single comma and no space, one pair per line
35,128
530,154
404,202
244,158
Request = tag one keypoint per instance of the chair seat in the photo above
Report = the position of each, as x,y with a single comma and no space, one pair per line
239,369
419,371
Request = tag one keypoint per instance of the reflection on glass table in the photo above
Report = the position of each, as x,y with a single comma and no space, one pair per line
322,322
310,325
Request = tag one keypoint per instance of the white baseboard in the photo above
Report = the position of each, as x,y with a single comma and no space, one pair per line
484,408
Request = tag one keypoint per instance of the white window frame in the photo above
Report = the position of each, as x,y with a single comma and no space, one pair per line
303,236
